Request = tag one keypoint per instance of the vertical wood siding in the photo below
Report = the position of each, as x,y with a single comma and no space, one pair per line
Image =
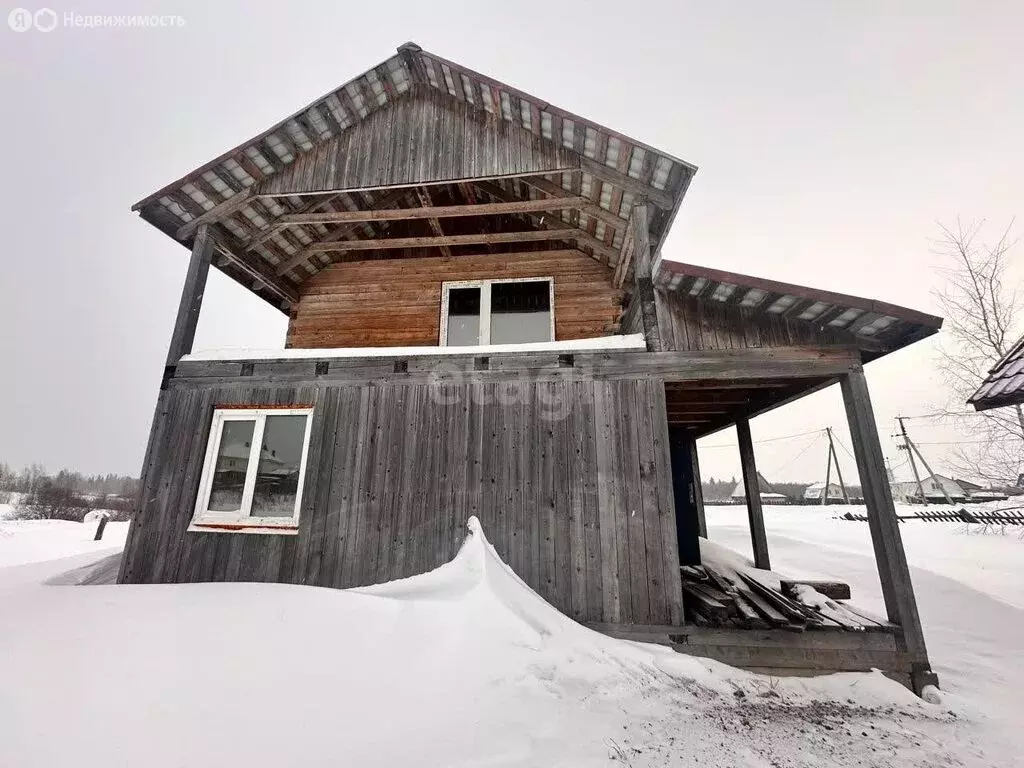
689,324
398,302
423,137
570,480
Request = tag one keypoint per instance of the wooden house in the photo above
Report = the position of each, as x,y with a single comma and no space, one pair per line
1004,385
481,323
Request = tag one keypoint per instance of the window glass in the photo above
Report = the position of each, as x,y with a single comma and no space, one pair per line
520,312
463,317
232,463
277,474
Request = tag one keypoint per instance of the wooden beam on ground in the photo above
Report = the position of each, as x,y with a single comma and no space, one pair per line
435,226
215,214
436,212
191,296
758,537
890,557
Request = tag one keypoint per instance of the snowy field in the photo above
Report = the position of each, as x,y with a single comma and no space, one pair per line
465,666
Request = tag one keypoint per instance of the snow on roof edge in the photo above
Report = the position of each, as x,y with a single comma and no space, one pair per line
630,342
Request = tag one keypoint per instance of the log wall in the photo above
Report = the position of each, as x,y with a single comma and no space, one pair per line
570,480
397,302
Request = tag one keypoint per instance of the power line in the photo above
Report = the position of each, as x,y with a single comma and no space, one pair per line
769,439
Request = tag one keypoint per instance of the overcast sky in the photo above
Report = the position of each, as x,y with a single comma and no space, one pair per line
831,137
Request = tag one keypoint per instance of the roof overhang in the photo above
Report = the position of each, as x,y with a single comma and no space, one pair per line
876,326
277,217
1004,384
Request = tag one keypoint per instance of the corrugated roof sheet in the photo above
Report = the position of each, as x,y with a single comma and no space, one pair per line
1005,382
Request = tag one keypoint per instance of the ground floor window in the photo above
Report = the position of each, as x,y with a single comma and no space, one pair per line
476,312
253,472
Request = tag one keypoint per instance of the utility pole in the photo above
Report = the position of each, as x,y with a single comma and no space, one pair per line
839,472
910,455
911,449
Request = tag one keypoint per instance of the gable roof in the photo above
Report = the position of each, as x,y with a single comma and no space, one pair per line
1004,384
763,486
876,326
268,197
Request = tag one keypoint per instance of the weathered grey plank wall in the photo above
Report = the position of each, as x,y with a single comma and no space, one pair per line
570,480
695,325
424,137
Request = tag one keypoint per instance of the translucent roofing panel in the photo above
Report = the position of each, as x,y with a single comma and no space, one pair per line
568,132
661,171
448,81
545,124
846,318
723,291
524,114
636,162
590,143
467,88
506,106
814,310
781,304
698,285
754,297
612,153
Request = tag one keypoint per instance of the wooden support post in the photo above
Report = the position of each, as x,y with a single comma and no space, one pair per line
893,571
643,277
698,491
191,296
101,527
758,537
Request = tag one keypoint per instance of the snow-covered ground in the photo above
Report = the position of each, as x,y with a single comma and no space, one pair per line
466,666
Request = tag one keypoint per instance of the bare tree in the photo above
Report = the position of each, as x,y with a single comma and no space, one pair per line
983,313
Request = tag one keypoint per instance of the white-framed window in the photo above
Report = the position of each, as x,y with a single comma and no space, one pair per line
478,312
254,470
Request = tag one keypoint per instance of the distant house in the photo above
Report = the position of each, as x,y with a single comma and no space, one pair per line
814,491
1004,384
909,493
767,493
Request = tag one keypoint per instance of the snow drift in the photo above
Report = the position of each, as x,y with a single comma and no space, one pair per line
462,666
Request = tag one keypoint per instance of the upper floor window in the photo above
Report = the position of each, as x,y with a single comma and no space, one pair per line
477,312
254,469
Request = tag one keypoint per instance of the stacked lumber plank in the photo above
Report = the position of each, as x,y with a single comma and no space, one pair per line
743,600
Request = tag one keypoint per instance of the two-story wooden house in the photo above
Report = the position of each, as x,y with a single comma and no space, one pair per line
481,323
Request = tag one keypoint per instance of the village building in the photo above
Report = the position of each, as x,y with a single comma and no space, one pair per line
835,494
482,322
765,491
932,486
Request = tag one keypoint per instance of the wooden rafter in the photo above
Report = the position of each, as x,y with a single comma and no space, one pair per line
587,207
339,233
384,243
436,212
215,214
435,225
279,222
582,236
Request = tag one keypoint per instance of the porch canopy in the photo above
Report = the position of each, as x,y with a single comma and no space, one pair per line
786,340
419,156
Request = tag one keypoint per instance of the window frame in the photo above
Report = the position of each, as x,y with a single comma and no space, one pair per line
484,338
241,520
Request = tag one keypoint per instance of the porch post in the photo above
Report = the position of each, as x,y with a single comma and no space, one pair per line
182,336
191,296
893,571
698,491
758,537
643,277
